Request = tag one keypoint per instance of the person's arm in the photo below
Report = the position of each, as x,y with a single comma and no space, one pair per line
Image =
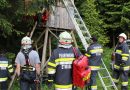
37,63
52,67
18,69
125,54
10,69
88,54
17,61
38,68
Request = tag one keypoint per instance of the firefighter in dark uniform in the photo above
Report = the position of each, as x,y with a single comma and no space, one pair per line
121,66
28,65
94,53
6,70
60,64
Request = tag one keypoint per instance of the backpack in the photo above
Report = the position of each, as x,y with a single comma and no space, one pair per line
81,71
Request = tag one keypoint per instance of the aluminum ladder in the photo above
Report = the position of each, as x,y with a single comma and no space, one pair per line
79,24
106,78
84,35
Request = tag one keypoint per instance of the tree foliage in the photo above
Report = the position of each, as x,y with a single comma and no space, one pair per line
13,23
87,9
115,15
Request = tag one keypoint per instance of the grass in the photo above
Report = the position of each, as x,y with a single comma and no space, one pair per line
106,59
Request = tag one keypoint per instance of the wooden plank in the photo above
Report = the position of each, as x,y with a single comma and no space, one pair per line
60,19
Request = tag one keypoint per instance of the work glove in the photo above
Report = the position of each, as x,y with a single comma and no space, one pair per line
112,65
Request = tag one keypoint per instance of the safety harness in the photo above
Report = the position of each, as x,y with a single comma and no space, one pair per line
27,66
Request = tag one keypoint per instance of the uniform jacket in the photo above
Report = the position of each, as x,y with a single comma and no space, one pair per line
5,68
94,53
60,64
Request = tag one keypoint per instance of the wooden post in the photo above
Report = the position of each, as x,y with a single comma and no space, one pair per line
74,40
50,46
44,47
36,47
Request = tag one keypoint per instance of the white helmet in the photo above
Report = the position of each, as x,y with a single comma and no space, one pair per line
123,35
65,38
26,42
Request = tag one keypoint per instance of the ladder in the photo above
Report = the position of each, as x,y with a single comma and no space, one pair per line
84,35
106,78
79,24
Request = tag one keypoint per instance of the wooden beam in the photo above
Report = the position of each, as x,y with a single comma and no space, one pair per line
39,37
74,39
45,47
53,34
33,30
50,46
40,46
36,47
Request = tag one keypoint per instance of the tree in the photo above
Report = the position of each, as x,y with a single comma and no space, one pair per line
115,16
87,9
13,22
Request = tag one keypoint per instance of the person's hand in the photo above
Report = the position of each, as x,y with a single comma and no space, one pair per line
37,81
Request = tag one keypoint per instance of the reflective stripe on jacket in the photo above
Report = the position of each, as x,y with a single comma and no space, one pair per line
5,69
94,53
122,55
60,64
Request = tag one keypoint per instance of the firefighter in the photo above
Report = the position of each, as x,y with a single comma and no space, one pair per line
6,70
60,64
121,62
27,65
94,53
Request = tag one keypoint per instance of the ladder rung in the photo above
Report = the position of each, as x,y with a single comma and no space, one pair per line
81,25
76,14
106,77
83,31
102,68
77,19
87,38
110,86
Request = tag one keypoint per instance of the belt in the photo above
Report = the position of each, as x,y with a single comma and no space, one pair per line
28,69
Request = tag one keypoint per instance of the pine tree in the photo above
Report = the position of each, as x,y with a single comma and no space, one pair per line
87,9
115,15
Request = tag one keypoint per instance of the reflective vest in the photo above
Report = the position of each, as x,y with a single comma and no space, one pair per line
94,53
5,69
60,64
